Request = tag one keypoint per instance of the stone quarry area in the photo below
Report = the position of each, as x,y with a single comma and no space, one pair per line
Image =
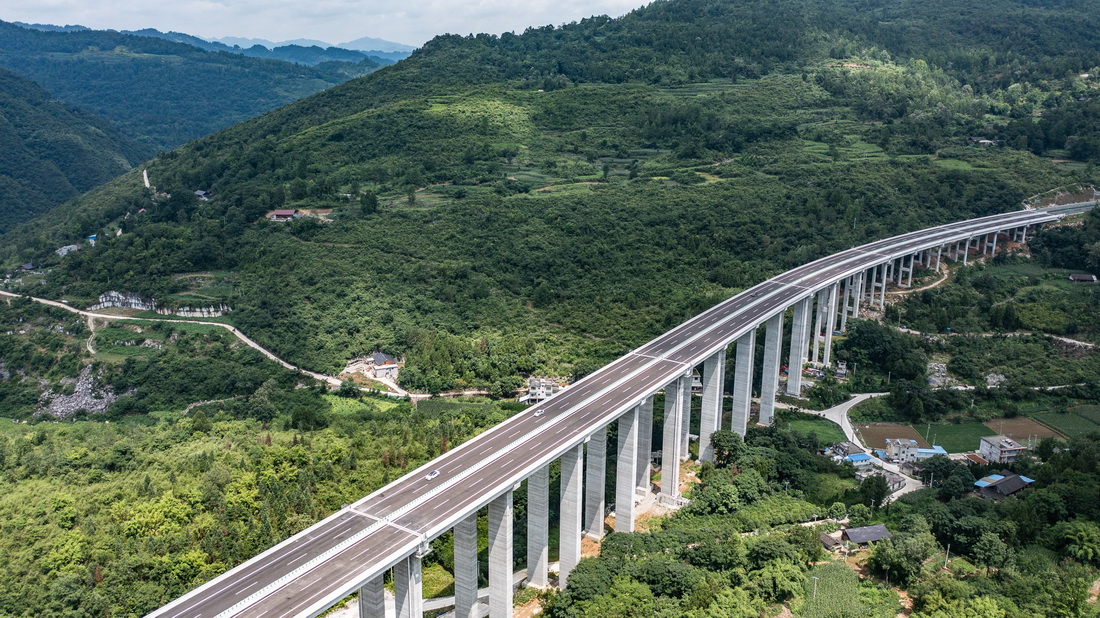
86,395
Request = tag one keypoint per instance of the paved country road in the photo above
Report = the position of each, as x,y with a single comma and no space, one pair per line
237,333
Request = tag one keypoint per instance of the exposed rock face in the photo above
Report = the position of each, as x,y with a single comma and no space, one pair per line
86,396
129,300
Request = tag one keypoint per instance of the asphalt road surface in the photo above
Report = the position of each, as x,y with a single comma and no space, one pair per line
315,568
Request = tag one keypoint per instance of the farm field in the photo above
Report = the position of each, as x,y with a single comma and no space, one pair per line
1075,422
956,438
874,435
1021,428
826,431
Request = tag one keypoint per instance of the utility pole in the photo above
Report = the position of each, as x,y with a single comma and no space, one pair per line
815,587
947,555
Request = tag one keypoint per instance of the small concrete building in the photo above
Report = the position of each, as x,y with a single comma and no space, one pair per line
859,460
925,453
1082,278
384,366
540,389
1000,449
845,448
901,450
67,249
283,215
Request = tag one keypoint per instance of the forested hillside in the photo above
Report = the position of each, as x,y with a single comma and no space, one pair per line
496,206
160,92
51,151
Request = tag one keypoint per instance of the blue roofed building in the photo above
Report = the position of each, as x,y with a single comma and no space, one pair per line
859,460
925,453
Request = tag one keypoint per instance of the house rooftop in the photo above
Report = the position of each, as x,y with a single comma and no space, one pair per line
1003,442
858,457
935,450
867,534
901,441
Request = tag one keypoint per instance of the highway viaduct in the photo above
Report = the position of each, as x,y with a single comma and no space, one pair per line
390,529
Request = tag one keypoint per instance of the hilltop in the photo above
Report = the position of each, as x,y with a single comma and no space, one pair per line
52,151
495,206
161,92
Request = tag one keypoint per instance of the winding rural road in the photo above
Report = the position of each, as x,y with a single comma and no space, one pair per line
237,333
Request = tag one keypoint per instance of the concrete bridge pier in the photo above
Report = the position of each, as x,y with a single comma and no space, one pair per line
595,481
572,484
685,419
882,299
800,330
500,558
710,414
625,469
372,599
408,587
538,515
994,251
670,450
831,324
857,296
819,322
466,564
966,251
742,383
849,285
769,384
645,443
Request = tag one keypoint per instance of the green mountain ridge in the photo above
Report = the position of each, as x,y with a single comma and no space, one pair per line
52,152
545,201
161,92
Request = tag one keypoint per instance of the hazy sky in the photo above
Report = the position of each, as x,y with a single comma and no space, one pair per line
412,22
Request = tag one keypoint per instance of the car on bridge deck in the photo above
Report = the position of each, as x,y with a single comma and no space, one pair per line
432,475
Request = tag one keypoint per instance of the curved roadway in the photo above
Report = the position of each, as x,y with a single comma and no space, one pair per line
312,570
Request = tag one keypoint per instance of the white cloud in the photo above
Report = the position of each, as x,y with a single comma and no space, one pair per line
334,21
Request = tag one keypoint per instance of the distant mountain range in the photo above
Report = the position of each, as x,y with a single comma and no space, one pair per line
365,44
164,89
368,46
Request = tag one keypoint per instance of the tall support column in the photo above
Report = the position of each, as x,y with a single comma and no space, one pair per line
939,257
625,466
882,299
538,515
466,566
826,358
849,288
994,251
372,599
742,384
710,414
773,342
685,420
898,267
797,353
1023,234
645,442
595,481
819,321
858,296
408,588
928,258
966,251
500,557
572,479
670,451
909,280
